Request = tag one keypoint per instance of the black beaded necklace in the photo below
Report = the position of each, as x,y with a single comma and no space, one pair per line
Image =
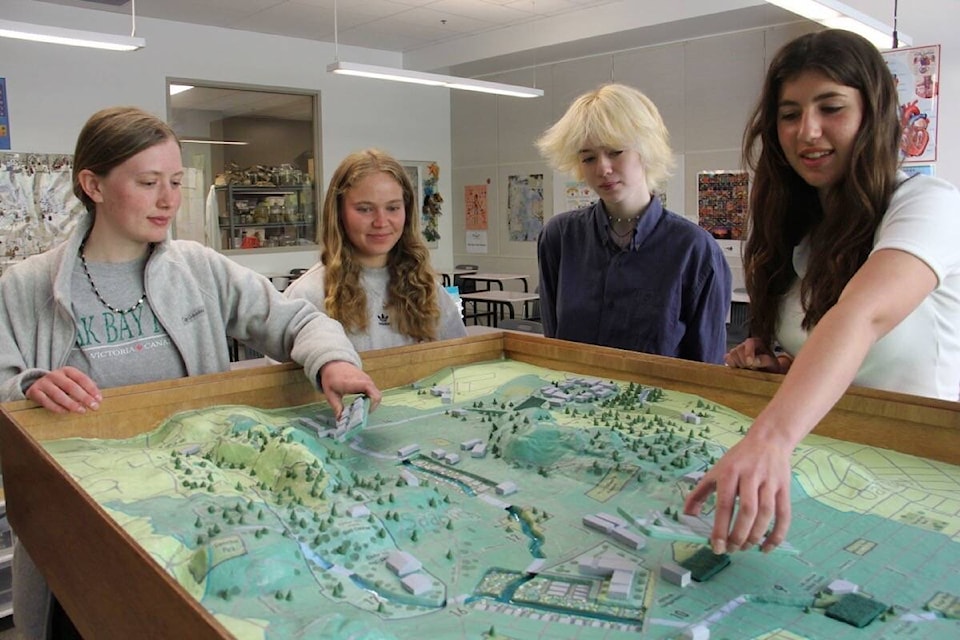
83,261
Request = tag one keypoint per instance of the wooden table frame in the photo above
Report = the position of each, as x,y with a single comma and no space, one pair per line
111,587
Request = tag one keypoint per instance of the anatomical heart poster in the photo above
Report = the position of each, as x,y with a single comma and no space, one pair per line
916,71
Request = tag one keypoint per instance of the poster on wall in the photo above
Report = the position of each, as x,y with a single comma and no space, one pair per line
37,205
425,177
916,71
722,203
577,195
475,206
4,116
525,207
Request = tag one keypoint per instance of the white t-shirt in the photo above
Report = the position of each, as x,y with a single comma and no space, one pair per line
921,355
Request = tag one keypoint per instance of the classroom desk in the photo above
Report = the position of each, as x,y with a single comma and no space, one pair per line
498,279
449,277
498,303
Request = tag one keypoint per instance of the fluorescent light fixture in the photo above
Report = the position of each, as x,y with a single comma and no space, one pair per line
432,79
837,15
208,141
179,88
72,37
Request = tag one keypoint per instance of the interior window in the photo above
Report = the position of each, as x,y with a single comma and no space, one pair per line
251,174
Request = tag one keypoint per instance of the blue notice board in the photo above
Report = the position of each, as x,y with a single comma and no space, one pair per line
4,116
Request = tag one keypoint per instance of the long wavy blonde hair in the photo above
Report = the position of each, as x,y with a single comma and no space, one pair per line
412,293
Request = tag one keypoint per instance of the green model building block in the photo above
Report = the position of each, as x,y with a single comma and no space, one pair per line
855,609
705,564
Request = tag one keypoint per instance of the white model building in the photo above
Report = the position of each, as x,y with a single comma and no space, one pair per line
437,454
674,574
351,418
402,563
506,488
840,587
479,451
621,585
409,478
310,423
697,632
628,538
597,523
467,445
535,566
693,477
407,451
358,511
416,583
604,565
452,458
614,520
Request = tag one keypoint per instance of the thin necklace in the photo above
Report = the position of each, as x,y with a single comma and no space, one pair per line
622,235
83,261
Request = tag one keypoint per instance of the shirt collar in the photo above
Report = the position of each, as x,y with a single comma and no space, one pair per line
645,226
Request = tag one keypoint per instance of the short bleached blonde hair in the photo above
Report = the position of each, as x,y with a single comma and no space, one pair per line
614,116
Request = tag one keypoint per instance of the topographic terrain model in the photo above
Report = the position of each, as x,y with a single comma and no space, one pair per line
504,500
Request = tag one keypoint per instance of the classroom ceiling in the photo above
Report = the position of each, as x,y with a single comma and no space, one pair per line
467,37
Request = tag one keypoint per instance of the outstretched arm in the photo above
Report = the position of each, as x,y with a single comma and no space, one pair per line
756,472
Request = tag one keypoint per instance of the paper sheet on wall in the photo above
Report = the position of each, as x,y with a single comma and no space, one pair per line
476,241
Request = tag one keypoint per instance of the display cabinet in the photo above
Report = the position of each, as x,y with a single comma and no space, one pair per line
255,217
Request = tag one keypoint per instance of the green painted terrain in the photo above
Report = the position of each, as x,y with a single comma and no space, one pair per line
284,534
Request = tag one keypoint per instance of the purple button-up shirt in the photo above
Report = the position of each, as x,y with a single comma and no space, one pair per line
668,293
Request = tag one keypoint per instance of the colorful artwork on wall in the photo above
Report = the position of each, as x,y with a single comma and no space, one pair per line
722,203
475,206
37,205
525,207
916,71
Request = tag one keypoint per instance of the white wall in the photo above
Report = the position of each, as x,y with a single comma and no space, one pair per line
705,88
52,90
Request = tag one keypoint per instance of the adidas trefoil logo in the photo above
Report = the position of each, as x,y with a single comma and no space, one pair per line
383,319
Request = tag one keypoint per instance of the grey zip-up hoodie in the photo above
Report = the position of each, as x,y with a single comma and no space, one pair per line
199,296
